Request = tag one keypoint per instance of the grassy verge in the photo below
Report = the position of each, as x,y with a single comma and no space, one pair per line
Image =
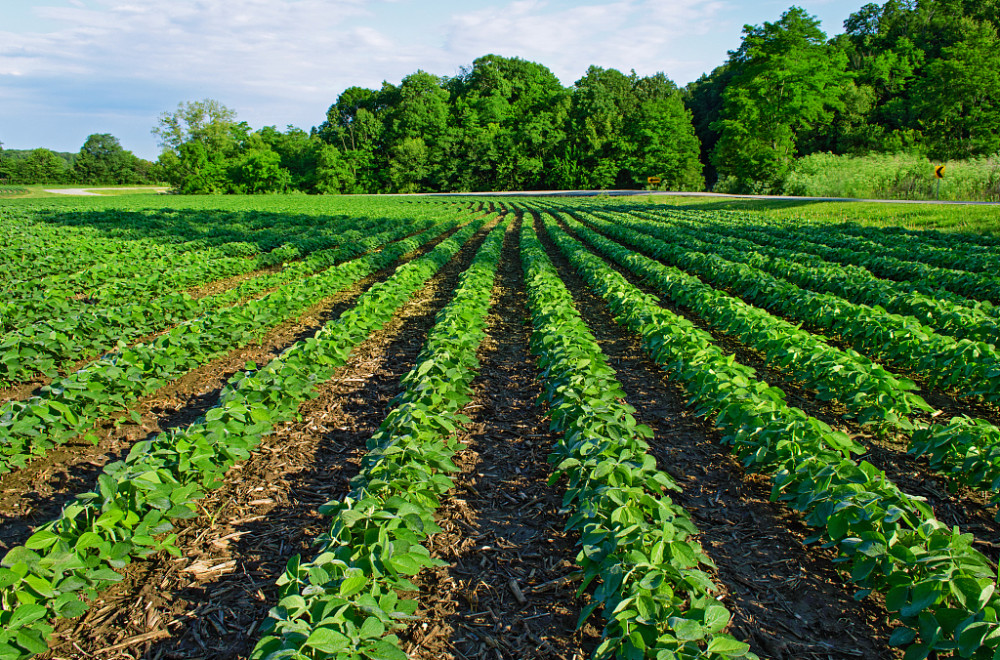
978,219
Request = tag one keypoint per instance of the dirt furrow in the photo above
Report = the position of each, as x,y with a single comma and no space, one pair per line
208,602
788,601
37,492
967,508
509,588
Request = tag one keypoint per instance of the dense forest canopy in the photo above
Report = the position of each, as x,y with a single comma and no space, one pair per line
501,124
920,77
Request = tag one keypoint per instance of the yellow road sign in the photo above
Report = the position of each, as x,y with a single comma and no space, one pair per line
653,180
939,171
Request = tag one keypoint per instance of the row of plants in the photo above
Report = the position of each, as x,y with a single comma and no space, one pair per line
898,235
966,319
347,600
52,345
871,394
955,256
68,406
973,252
923,277
940,589
656,599
69,560
29,248
139,280
902,342
90,253
964,450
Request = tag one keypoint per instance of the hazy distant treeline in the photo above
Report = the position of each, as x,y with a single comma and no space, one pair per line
100,161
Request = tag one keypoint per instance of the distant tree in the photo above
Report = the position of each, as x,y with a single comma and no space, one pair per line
959,98
257,169
355,125
103,160
625,128
298,152
40,166
416,128
509,120
787,81
334,173
207,121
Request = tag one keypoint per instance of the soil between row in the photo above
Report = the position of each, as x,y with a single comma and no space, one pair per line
509,588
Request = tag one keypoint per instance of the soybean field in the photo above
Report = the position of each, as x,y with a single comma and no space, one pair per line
493,427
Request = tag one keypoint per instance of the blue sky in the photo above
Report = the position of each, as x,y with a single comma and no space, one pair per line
69,68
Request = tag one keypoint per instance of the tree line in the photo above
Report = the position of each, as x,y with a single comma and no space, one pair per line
101,161
914,77
501,124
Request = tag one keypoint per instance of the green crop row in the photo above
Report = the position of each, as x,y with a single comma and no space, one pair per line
925,278
106,251
951,315
970,368
964,450
956,256
68,560
941,590
868,391
49,346
70,405
138,280
343,603
950,252
656,600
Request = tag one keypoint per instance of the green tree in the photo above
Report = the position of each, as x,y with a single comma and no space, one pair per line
102,160
39,166
207,121
355,125
257,169
959,98
787,81
416,132
509,116
334,173
624,129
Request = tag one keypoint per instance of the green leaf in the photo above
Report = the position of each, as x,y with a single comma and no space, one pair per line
41,539
372,628
383,650
327,640
728,645
32,641
25,614
902,636
352,585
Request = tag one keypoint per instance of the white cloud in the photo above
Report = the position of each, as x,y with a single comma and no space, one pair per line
285,61
625,34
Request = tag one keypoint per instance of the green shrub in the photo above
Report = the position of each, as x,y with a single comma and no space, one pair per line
894,176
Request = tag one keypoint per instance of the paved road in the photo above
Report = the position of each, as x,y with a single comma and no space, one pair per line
658,193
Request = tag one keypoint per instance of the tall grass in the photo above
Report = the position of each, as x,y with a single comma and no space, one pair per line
894,176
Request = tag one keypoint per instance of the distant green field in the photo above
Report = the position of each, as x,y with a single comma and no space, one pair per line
944,217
